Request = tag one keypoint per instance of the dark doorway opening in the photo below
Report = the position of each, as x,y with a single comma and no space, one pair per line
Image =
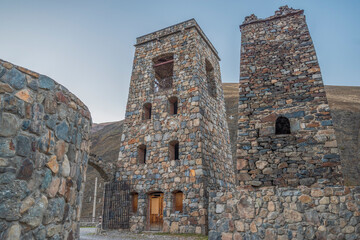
282,125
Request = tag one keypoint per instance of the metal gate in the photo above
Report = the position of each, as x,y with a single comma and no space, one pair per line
116,205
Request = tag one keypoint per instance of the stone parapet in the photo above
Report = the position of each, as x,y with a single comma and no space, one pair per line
285,213
174,29
44,147
283,11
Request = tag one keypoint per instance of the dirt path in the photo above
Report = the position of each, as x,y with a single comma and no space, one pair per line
90,234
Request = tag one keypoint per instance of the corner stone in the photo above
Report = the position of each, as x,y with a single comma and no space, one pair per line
53,165
14,232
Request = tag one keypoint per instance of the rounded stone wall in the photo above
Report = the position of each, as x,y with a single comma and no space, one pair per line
44,148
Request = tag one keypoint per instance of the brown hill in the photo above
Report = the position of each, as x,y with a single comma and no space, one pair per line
106,141
345,109
98,126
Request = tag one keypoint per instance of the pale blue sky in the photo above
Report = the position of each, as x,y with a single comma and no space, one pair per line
87,46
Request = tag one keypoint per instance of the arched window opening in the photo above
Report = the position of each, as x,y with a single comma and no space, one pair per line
142,154
173,105
147,111
282,125
178,201
134,202
174,150
164,70
210,79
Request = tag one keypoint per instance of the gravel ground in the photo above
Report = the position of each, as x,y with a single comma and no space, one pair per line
90,234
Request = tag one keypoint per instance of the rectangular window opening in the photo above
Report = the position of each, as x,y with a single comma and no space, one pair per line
134,202
174,150
173,105
142,154
147,111
178,201
163,67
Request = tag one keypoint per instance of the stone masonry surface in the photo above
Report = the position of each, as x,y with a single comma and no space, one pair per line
44,146
200,127
290,184
285,213
280,76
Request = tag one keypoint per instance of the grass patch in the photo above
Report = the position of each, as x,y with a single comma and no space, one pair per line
187,235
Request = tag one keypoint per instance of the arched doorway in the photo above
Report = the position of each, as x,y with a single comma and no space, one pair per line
97,174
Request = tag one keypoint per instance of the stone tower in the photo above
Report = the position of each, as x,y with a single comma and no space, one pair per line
175,145
286,136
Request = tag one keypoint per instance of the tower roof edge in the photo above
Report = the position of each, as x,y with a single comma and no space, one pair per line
173,29
283,11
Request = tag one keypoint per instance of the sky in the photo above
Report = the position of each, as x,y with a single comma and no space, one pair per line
88,46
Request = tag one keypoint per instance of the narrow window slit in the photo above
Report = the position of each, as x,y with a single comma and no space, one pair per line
173,105
147,111
142,154
174,150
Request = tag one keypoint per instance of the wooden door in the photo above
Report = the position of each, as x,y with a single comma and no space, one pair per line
156,211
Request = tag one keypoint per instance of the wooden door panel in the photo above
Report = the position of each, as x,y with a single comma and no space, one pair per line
156,211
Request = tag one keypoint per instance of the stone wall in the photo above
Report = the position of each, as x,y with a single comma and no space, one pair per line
44,146
290,183
280,76
285,213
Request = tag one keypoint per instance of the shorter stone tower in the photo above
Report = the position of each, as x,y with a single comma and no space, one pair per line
175,145
286,136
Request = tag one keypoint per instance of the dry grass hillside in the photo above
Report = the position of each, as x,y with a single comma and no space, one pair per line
231,95
106,141
345,109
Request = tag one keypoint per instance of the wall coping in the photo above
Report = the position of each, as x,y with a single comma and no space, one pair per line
174,29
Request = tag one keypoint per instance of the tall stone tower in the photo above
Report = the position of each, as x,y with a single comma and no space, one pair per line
175,145
286,136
